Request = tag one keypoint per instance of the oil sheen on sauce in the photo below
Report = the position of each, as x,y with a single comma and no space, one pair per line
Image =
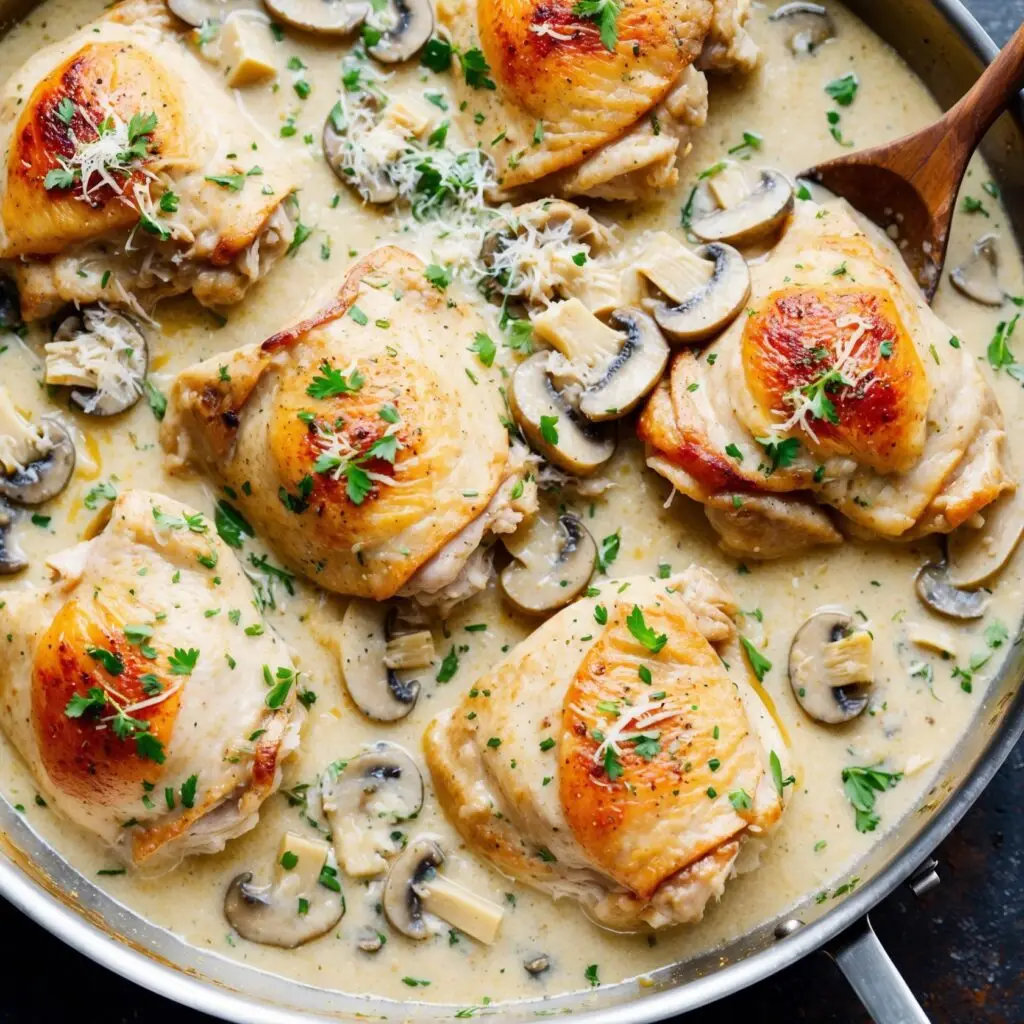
916,721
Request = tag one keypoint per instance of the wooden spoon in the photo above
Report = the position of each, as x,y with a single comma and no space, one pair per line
913,182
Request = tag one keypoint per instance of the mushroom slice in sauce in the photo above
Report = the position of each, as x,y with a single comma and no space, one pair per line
554,560
763,211
36,463
616,369
102,356
978,276
364,163
405,25
976,555
196,12
10,306
809,25
551,424
375,689
414,889
935,590
302,903
324,17
12,559
707,288
830,667
373,792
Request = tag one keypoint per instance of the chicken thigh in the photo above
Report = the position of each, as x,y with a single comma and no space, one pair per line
367,442
598,106
148,698
611,757
839,387
131,176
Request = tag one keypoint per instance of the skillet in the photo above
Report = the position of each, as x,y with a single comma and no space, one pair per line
946,48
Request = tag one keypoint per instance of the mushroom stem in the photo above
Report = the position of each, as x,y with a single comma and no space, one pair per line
461,908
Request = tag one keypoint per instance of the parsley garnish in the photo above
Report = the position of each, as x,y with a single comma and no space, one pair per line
605,14
643,633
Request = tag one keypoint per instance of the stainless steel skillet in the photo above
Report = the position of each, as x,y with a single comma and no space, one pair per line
946,48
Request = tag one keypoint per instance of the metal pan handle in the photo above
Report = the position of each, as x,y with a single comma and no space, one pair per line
874,977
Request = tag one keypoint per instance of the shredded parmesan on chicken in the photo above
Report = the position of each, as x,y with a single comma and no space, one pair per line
641,717
847,371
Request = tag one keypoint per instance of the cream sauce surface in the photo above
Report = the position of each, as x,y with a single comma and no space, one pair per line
917,715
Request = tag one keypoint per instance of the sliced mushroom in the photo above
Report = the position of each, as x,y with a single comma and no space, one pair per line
809,25
935,590
976,555
554,560
36,463
531,256
196,12
537,964
324,17
302,903
552,424
830,667
763,211
405,25
414,888
10,306
12,559
978,276
370,940
932,637
102,356
373,792
614,368
707,288
375,689
365,164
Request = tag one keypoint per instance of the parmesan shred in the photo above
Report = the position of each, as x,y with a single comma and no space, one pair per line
641,718
847,371
103,352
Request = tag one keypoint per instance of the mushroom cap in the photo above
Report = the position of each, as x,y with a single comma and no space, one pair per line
376,690
375,187
297,906
45,478
104,324
976,555
809,25
978,276
411,24
12,559
937,592
554,560
383,783
808,676
195,12
632,374
10,305
402,903
551,425
323,17
759,214
711,307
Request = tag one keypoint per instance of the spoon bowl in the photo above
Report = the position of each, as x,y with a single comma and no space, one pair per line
909,187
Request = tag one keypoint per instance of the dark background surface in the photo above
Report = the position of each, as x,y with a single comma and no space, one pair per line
961,947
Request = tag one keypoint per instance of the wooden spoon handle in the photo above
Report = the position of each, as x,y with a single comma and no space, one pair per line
988,97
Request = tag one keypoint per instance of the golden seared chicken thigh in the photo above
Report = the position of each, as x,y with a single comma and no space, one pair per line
841,388
367,442
599,105
148,712
611,758
130,175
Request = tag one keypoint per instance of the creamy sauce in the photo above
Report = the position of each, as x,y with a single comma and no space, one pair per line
912,726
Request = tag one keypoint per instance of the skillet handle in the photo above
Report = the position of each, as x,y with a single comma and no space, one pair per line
874,977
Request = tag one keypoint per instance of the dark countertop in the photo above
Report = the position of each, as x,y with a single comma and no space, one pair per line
960,948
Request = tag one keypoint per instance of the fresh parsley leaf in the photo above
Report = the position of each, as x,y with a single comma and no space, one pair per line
332,382
844,89
605,14
759,664
449,666
862,786
231,525
484,347
644,634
